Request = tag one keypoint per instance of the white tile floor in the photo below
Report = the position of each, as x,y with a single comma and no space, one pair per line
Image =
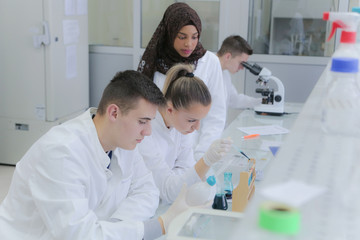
6,173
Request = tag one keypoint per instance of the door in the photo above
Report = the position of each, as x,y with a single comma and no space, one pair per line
22,68
66,58
44,59
43,70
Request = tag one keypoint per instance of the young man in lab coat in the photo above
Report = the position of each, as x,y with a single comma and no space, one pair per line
235,50
85,179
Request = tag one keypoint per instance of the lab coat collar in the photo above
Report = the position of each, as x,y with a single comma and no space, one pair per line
105,160
204,58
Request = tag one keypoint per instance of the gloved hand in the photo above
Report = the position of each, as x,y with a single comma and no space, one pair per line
176,208
255,102
217,150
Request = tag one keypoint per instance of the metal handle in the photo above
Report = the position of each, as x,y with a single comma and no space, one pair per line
42,39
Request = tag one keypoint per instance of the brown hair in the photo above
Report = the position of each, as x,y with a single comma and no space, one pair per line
235,45
182,88
126,88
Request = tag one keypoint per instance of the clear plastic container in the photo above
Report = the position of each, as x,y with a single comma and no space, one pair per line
341,104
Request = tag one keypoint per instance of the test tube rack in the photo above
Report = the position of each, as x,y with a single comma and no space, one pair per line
245,188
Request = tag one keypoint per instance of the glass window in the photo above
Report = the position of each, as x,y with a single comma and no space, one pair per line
153,11
111,22
290,27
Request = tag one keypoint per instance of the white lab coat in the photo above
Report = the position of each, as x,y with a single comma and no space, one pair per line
62,189
209,70
233,98
169,155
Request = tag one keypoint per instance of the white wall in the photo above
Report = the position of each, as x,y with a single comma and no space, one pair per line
103,67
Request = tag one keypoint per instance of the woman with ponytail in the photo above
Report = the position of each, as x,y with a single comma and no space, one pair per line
168,152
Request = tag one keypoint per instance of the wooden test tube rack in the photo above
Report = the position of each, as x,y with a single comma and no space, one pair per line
245,188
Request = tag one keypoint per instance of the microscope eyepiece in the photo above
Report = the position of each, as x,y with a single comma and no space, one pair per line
254,69
246,65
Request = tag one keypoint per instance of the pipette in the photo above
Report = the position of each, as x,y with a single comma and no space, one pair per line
242,153
250,136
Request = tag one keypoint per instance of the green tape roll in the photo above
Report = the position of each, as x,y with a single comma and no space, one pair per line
279,218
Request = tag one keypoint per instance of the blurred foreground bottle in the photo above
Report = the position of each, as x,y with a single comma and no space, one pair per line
341,104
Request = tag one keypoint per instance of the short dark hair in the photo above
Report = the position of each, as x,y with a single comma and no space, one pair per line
235,45
126,88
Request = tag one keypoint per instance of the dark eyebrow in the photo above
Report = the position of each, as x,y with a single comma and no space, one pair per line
186,34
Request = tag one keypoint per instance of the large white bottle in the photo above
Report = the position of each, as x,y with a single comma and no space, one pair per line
200,193
341,104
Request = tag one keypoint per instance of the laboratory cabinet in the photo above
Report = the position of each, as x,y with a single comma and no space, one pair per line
297,27
43,70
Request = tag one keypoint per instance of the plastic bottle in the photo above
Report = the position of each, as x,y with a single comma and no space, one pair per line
348,22
201,192
341,106
228,185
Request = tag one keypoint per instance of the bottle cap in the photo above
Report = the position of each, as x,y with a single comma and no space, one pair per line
211,180
348,37
326,16
345,64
